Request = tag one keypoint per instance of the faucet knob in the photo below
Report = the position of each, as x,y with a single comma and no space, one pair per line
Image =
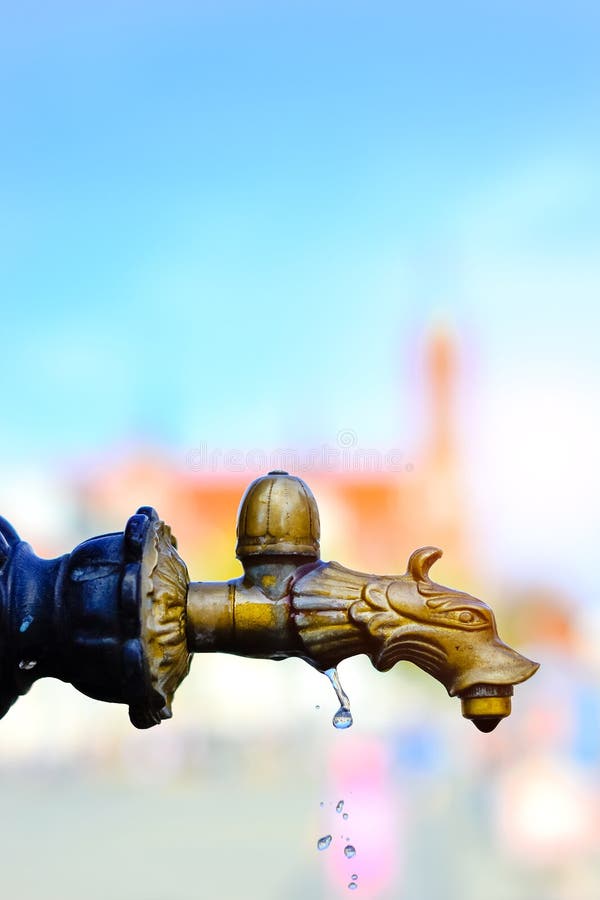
278,516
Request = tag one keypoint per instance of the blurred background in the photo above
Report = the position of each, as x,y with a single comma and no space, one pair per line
359,243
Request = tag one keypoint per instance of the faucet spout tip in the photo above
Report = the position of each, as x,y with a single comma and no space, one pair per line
487,705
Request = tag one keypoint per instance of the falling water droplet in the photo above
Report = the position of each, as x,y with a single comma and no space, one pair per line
352,886
345,816
27,664
349,851
322,803
317,706
340,806
343,717
324,842
354,877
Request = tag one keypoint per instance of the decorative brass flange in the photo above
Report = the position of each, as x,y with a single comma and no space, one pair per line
119,619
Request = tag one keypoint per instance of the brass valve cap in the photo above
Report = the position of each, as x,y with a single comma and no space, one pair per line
278,516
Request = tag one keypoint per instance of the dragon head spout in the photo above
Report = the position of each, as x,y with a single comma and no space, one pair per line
447,633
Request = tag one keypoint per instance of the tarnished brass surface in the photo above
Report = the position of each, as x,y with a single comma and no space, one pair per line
210,616
448,634
237,617
278,516
164,582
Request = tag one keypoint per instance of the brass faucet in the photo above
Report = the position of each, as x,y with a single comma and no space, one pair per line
119,619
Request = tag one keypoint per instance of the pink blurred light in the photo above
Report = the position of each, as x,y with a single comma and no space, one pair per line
360,774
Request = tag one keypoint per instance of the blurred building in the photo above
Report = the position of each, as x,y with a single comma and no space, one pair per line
375,507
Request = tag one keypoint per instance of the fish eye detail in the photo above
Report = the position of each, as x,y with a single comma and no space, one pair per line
467,617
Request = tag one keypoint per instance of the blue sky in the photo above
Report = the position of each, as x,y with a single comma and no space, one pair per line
232,221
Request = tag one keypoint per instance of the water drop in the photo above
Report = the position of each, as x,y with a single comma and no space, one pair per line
324,842
27,664
342,718
25,624
345,816
352,886
340,806
322,803
354,877
317,706
349,851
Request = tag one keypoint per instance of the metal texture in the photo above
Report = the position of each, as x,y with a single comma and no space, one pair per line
278,516
119,619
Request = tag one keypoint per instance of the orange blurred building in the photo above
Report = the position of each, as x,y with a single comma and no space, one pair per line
374,511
